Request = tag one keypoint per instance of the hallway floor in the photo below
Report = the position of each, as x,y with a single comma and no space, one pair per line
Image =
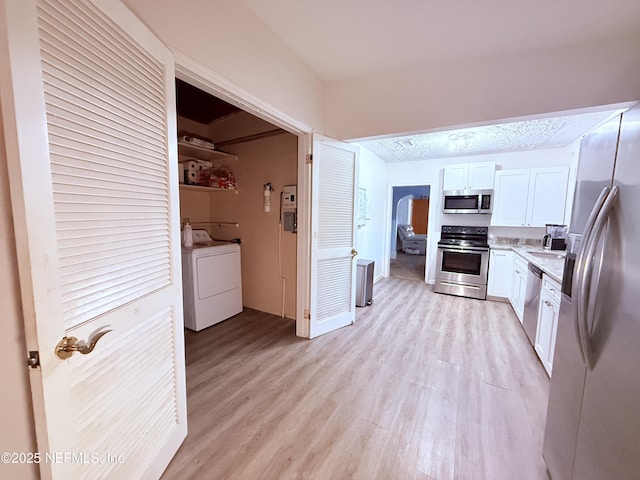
407,266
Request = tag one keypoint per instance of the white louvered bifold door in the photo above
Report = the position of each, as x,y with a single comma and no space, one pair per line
91,138
333,227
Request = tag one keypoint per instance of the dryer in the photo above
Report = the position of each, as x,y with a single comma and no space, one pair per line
211,281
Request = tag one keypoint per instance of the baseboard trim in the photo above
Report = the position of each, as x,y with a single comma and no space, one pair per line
497,299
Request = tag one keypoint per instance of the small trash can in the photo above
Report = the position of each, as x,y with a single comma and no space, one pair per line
364,283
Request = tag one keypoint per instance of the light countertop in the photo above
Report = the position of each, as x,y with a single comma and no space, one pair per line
552,266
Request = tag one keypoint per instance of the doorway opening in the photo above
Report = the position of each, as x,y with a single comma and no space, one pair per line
408,230
227,198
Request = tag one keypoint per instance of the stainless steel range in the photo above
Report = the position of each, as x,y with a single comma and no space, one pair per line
463,261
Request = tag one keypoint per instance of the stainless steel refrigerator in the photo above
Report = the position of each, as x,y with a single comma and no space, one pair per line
593,419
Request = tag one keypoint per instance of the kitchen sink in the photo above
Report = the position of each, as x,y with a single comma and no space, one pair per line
545,255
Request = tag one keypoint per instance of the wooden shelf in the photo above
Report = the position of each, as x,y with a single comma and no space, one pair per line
202,188
201,153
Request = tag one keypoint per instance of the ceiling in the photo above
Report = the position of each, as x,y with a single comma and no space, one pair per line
342,39
346,39
531,134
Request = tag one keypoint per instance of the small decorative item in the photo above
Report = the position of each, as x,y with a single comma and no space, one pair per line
221,177
362,207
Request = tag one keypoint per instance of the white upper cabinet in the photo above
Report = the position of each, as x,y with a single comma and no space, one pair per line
469,176
510,198
481,175
547,196
455,177
530,197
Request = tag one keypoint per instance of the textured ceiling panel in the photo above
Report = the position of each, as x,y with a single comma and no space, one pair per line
535,134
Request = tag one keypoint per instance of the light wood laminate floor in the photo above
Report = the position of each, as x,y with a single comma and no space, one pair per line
423,386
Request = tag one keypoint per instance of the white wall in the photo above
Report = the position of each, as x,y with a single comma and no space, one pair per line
371,237
430,172
226,37
485,91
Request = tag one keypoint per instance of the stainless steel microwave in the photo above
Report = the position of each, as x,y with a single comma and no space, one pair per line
467,201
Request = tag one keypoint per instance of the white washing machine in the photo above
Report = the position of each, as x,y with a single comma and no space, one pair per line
211,281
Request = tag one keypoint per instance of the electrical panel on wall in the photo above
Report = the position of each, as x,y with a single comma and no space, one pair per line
289,208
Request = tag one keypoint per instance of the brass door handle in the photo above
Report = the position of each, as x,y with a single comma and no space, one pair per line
354,252
68,345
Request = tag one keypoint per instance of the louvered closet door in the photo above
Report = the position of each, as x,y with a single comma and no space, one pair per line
89,113
333,227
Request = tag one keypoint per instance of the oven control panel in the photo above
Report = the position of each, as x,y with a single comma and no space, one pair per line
465,230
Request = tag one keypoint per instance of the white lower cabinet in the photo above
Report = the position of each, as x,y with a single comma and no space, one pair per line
500,273
519,282
547,322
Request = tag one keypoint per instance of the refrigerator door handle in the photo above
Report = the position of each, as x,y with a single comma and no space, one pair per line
579,269
585,283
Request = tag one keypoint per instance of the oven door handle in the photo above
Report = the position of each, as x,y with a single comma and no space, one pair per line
464,250
466,285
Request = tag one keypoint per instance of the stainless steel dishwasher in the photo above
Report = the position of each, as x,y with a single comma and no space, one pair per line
531,301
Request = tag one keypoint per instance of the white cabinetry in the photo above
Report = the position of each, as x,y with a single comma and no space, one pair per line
519,282
510,197
547,322
500,273
547,196
530,197
469,176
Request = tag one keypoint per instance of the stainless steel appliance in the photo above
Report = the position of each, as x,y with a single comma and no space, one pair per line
467,201
593,425
531,301
463,261
555,238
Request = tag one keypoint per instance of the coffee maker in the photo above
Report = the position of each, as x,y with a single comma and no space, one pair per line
555,238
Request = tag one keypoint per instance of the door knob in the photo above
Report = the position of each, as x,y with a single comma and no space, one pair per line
68,345
354,252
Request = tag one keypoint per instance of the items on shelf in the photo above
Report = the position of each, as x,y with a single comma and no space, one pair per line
200,142
221,177
203,173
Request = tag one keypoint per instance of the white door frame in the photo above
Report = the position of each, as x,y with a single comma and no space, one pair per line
431,232
196,74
